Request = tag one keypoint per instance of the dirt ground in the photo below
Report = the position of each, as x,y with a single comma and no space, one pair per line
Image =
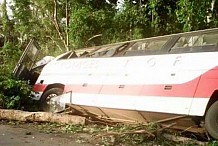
14,133
26,135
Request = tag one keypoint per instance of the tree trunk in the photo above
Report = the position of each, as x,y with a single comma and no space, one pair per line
67,25
57,27
40,117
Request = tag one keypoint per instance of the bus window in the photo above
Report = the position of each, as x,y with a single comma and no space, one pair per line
147,47
108,51
196,43
189,41
211,38
150,44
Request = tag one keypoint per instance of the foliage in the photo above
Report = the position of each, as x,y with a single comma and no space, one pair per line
9,55
137,19
13,93
7,25
129,22
193,14
24,25
61,25
213,143
89,20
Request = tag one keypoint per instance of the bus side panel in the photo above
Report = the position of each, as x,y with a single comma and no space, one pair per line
207,85
83,88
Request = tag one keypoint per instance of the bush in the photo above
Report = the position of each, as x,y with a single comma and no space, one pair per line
14,94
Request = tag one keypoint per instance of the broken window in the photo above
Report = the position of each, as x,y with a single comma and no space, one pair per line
197,40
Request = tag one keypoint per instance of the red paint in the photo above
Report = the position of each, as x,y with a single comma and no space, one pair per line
39,87
177,90
208,84
83,88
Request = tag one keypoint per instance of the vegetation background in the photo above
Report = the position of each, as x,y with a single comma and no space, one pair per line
63,25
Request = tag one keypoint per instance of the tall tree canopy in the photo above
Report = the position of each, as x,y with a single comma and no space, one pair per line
62,25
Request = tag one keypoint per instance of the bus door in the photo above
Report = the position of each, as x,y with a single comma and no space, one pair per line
23,69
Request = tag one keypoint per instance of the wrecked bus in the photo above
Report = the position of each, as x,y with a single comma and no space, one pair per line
140,80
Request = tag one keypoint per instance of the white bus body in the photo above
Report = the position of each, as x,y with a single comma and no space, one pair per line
174,74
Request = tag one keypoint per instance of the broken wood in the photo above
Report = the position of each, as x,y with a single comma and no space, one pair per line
40,117
170,119
164,127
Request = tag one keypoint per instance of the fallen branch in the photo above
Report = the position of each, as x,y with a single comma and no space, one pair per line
40,117
170,119
164,127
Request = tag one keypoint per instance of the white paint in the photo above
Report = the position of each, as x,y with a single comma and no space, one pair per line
155,69
137,70
198,106
173,105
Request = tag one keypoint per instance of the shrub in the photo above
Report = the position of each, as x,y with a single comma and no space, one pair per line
14,94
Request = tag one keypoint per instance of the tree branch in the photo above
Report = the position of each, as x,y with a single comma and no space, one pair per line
67,23
57,27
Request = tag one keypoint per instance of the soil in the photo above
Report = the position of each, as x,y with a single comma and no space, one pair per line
14,133
28,135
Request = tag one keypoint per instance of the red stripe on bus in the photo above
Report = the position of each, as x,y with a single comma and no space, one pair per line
202,86
179,90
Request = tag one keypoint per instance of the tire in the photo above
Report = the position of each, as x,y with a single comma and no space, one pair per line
45,104
211,120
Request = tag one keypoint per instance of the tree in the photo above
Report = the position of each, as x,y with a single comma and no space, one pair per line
193,14
7,25
90,21
62,25
45,22
22,15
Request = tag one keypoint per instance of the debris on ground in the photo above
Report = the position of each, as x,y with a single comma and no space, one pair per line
100,132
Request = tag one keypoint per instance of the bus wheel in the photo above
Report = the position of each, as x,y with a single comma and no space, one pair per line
45,101
211,120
